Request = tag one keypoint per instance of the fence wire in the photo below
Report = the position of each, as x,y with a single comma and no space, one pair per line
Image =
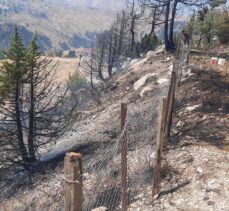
102,175
102,172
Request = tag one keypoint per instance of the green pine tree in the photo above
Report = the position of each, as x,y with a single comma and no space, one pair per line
36,110
149,43
14,72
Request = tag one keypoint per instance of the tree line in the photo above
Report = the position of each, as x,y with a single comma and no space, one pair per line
209,27
123,40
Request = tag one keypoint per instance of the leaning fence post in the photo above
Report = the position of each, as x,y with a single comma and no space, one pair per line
123,159
73,196
170,103
159,146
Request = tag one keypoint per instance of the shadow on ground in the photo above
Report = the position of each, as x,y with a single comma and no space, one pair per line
207,123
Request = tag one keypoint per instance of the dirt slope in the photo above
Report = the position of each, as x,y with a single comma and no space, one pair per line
97,127
196,161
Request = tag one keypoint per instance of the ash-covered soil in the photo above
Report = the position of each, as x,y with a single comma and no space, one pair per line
195,162
96,135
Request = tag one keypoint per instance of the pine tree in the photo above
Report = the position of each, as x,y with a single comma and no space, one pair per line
49,113
223,27
37,110
14,74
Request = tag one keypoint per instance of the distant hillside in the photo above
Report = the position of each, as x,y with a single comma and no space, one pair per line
98,4
60,24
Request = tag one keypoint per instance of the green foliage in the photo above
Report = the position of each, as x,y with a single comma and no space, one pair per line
149,43
2,56
204,26
216,3
71,54
76,81
14,67
50,54
3,88
209,23
202,13
28,91
16,54
191,25
223,27
59,53
208,27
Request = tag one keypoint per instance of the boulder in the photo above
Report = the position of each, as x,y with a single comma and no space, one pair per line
160,49
139,83
146,90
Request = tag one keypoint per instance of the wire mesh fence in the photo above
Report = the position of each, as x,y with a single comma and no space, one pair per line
102,171
103,180
182,58
103,174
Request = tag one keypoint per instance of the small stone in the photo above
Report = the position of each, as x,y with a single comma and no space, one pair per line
211,203
180,124
175,132
199,170
168,59
140,195
206,198
162,80
113,87
100,209
205,117
191,108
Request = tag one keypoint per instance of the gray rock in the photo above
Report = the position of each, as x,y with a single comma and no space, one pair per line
160,49
139,83
180,124
150,54
100,209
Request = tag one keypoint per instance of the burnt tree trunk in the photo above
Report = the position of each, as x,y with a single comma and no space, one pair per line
21,144
153,23
171,33
166,26
31,118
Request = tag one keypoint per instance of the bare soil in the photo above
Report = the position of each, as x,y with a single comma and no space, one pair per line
196,160
195,165
97,128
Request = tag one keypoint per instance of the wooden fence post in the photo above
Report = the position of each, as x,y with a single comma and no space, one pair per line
73,194
123,159
170,103
159,146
